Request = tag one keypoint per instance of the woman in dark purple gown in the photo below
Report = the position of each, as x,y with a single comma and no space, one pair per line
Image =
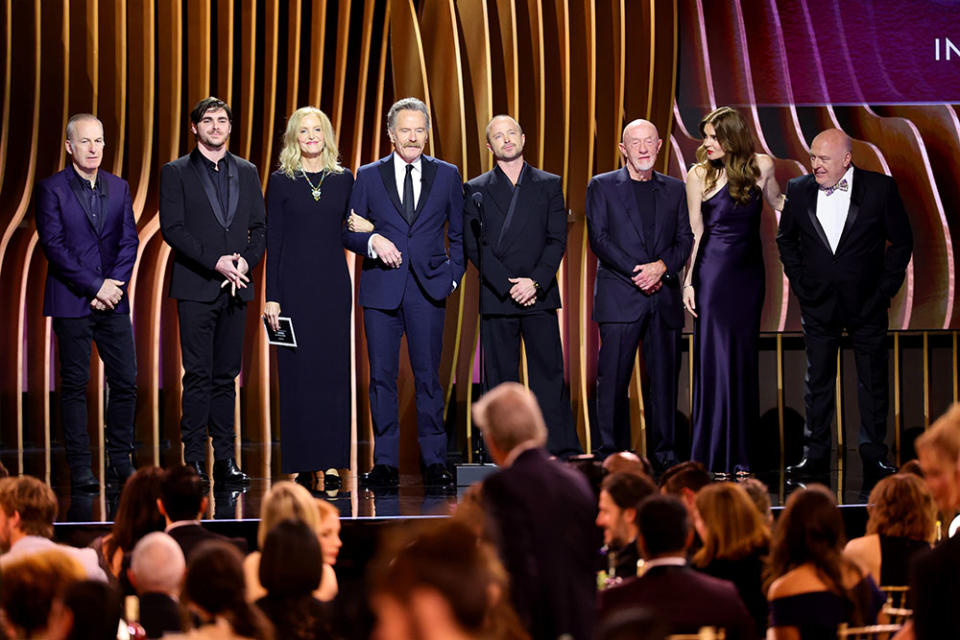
724,288
308,280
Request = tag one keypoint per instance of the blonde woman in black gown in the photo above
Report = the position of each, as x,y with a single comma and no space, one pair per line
307,280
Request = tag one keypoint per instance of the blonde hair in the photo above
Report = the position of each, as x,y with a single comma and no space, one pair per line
287,500
290,153
326,510
901,505
943,436
735,528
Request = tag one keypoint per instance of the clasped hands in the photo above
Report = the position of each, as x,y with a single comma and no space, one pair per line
523,291
109,295
647,277
234,268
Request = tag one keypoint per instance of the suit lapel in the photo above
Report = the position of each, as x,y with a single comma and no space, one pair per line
856,198
233,188
521,191
811,194
630,204
196,161
428,171
82,200
390,183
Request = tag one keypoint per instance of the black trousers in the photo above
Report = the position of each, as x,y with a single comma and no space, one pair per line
870,354
211,345
661,354
114,337
541,336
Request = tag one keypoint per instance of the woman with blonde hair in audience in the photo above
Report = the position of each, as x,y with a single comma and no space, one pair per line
736,541
903,520
813,586
330,544
938,450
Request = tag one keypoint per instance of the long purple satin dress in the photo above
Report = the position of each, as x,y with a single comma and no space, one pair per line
728,280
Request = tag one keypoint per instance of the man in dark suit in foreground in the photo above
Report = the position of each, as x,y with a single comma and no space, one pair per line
183,502
540,514
833,238
413,201
685,598
639,230
524,225
212,215
87,231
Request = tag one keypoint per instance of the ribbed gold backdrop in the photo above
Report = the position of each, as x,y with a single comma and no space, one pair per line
571,71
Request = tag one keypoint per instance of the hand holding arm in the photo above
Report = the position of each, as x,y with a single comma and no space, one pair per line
358,223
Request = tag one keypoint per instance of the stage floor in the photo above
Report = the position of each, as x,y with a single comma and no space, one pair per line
410,499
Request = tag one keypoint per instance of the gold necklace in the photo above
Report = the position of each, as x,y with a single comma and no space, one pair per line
315,191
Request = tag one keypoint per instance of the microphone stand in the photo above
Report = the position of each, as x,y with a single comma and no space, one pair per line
480,450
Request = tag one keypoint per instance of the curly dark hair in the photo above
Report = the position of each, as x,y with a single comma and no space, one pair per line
901,505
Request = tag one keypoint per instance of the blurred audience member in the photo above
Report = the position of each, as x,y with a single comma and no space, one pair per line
628,462
591,469
290,570
620,494
684,480
760,495
813,586
636,623
137,515
29,585
736,542
214,592
157,569
685,599
27,510
934,587
903,520
86,610
912,466
442,583
541,514
183,502
330,543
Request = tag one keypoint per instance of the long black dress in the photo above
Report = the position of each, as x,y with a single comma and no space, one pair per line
307,274
728,280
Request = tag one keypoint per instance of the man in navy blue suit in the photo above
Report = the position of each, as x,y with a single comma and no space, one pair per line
86,228
408,271
639,229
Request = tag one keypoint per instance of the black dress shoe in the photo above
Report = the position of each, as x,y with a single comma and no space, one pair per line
118,474
809,467
307,480
878,469
227,473
82,480
437,475
201,468
381,476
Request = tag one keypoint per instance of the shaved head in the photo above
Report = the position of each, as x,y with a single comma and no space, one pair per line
834,137
639,127
830,157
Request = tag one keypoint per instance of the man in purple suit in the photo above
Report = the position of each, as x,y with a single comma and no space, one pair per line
88,233
410,198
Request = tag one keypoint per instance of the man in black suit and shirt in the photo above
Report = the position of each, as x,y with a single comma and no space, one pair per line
212,214
683,597
540,514
524,237
833,238
639,230
183,502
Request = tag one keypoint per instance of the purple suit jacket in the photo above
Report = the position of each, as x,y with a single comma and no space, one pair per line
375,197
80,257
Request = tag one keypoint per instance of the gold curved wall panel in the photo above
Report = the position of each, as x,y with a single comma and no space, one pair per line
572,71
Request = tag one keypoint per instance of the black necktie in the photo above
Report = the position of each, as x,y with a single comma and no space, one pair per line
408,195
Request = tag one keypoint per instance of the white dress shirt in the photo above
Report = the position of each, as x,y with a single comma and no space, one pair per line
832,210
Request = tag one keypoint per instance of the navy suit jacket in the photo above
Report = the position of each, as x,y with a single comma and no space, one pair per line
532,245
858,280
80,257
541,514
375,197
192,223
616,236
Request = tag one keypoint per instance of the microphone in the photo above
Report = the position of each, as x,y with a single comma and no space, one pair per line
477,225
478,201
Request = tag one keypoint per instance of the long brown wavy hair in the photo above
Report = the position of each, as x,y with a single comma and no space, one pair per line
735,528
738,159
901,505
